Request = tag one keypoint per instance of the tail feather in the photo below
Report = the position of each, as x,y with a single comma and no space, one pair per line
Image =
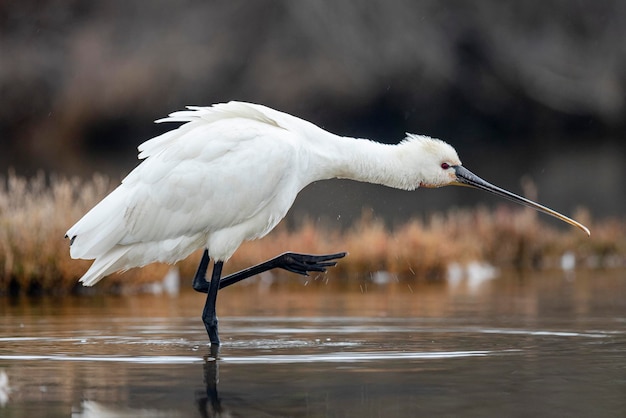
110,262
99,230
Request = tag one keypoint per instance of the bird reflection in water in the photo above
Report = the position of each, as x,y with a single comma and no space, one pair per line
209,403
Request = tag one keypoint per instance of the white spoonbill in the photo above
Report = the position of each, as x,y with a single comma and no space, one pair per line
229,174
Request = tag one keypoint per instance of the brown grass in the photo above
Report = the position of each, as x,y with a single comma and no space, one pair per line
35,213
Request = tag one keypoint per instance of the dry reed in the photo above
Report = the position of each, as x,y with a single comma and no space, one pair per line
35,213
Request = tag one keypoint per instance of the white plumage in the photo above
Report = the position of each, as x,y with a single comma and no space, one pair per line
230,173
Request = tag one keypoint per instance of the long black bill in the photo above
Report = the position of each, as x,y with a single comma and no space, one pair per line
467,178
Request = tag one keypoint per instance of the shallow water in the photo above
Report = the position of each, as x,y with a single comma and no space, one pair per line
545,345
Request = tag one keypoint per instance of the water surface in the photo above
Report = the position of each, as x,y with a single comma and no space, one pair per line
543,345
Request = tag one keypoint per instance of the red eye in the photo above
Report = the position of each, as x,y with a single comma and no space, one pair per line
445,166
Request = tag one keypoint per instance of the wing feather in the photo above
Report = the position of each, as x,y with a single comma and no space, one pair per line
197,116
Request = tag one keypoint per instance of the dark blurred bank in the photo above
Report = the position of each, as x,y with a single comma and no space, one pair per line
531,89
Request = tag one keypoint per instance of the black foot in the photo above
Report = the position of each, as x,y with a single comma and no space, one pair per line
305,263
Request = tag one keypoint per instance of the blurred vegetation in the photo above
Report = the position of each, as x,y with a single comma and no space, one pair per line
34,257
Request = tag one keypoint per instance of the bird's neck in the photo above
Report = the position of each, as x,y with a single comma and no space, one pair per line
362,160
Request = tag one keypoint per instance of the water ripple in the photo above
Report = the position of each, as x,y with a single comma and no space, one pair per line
343,357
109,359
334,357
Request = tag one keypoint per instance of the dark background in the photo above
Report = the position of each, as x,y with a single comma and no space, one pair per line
531,90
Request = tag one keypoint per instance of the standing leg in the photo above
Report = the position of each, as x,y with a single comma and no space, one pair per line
209,316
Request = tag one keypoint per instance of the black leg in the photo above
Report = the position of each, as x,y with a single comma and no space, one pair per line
294,262
209,316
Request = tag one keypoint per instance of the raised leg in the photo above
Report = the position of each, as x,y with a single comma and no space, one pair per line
293,262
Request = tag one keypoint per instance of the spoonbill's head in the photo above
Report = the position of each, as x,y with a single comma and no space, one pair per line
442,167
